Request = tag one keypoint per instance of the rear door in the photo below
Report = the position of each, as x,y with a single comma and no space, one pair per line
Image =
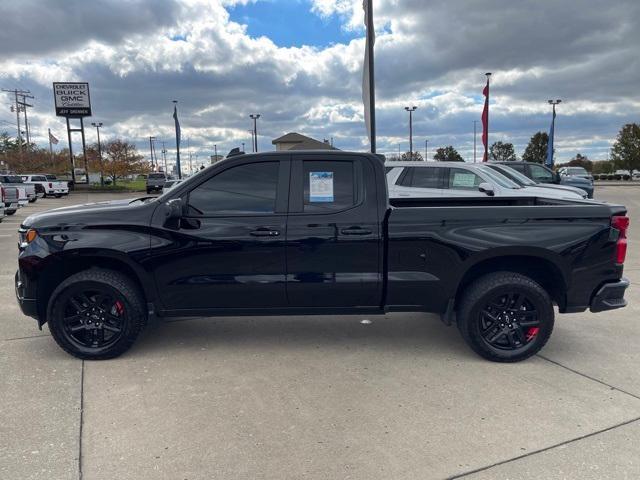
333,233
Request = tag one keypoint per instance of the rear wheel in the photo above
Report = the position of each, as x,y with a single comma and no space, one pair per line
506,317
96,314
9,212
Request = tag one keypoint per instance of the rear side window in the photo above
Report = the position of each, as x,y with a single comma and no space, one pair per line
422,177
518,167
242,190
328,186
540,174
38,178
461,179
51,177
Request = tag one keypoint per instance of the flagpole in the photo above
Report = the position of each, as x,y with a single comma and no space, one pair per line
372,85
175,116
486,137
50,147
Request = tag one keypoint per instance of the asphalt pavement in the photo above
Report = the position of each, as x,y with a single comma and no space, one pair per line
329,397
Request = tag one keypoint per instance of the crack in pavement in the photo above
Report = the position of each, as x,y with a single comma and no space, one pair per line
612,387
24,338
535,452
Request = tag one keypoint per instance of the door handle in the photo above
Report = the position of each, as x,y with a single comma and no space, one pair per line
264,232
355,231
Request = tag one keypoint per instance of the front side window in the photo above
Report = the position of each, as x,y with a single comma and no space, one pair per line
461,179
242,190
540,174
328,186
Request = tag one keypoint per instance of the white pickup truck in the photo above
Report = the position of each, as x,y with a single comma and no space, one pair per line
49,183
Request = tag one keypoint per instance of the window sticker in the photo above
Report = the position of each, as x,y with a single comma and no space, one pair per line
464,180
321,186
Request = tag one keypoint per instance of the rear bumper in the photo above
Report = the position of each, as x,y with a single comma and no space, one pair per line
610,296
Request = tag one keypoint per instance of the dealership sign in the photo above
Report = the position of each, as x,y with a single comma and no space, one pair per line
72,99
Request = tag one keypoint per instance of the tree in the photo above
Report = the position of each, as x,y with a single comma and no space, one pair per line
604,166
536,150
122,159
408,157
581,161
502,151
447,154
625,152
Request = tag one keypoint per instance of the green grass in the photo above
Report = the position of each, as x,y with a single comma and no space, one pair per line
121,186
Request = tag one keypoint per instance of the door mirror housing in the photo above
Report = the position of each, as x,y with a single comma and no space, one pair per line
486,188
174,209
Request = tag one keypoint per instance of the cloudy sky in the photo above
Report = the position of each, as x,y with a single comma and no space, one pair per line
299,64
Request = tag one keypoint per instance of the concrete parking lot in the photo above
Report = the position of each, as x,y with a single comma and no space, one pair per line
321,397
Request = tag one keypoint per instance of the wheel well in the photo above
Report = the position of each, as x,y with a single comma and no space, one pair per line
541,270
70,267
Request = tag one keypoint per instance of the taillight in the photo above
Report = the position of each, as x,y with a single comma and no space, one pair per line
621,224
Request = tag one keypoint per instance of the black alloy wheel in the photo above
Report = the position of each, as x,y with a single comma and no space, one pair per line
93,317
96,314
505,316
509,322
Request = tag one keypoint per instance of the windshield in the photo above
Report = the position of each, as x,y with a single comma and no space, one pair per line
156,175
14,179
498,178
514,175
577,171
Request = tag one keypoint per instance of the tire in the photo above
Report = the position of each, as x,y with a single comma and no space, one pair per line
505,317
58,195
148,191
9,212
87,329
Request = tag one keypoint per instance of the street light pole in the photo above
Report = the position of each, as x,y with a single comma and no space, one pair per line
411,110
98,125
426,150
255,118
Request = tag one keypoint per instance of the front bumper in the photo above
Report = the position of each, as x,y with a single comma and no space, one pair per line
610,296
28,305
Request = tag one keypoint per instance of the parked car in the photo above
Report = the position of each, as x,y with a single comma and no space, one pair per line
48,184
155,182
10,198
169,184
2,213
460,179
576,172
542,174
283,233
27,193
557,191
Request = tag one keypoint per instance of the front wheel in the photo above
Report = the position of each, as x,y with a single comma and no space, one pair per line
96,314
506,317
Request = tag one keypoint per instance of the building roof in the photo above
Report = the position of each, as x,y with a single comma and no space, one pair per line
302,142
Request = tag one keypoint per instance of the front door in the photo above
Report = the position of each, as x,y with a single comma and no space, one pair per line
229,251
333,233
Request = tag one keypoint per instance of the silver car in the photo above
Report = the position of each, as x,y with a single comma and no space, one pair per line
525,181
459,179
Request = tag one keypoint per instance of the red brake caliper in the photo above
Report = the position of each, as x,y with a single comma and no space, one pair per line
119,307
532,332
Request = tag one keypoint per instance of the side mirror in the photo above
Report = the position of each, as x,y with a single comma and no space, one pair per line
174,209
487,188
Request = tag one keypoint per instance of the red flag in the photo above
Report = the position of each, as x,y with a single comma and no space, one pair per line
485,122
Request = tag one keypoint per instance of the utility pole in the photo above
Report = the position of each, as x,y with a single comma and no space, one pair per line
255,118
98,125
17,92
411,110
475,123
24,105
215,152
153,165
164,158
426,150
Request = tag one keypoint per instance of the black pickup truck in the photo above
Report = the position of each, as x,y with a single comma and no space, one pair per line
286,233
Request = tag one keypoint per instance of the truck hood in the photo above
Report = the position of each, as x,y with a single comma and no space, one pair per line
90,213
541,191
